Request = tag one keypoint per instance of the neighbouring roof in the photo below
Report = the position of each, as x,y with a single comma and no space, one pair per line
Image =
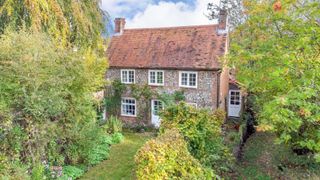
188,47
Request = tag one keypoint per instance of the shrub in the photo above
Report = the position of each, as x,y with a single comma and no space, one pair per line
167,157
50,115
202,131
38,172
72,172
113,125
220,114
12,169
100,151
117,138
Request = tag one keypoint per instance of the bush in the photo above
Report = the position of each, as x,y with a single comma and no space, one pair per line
38,172
117,138
202,131
100,151
12,170
50,115
113,125
72,172
167,157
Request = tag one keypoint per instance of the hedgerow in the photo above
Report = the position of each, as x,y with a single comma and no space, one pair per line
167,157
201,129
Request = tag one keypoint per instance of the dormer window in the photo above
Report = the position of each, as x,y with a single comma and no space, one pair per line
127,76
156,77
188,79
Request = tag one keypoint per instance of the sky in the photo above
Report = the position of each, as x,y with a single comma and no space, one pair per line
159,13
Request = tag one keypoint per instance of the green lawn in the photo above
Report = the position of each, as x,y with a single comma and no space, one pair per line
120,165
264,160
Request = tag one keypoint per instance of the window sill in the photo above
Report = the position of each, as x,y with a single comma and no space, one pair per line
155,84
125,115
127,83
190,87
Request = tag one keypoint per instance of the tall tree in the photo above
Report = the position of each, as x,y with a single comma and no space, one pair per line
52,60
69,22
276,53
234,9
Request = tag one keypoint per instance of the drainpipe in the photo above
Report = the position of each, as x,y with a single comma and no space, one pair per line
218,88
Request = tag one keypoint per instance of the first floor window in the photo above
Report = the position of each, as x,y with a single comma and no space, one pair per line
128,107
156,77
188,79
127,76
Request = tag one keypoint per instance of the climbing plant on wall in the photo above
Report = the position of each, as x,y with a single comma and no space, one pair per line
113,97
143,94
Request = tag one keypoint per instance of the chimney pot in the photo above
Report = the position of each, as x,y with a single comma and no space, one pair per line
119,25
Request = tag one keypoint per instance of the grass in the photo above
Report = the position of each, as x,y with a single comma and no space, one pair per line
264,160
120,165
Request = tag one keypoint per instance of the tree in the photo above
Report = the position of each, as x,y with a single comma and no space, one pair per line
51,61
276,53
234,9
46,104
70,23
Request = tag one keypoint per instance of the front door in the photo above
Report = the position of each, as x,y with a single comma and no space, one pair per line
156,107
234,107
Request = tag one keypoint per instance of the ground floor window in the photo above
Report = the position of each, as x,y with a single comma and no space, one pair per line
128,107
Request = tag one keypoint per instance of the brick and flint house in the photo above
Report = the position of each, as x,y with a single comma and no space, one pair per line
168,60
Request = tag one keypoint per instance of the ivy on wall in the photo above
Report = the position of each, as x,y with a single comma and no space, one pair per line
113,97
142,93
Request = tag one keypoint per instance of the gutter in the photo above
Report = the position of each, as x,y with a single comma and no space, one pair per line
166,68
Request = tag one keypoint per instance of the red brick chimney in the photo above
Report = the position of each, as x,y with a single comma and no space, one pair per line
119,24
222,26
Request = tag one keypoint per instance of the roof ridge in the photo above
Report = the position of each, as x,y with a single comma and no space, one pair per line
175,27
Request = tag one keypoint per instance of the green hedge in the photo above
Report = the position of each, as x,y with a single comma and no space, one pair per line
201,129
167,157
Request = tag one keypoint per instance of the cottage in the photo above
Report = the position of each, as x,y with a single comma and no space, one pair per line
168,60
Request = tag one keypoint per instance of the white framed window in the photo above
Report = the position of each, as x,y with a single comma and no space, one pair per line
156,77
128,76
128,107
188,79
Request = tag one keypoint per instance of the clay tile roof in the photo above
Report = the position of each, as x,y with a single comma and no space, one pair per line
189,47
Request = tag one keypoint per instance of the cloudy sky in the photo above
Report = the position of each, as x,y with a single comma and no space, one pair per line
159,13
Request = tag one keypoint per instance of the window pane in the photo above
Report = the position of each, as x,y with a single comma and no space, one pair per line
184,79
192,79
152,77
157,107
124,76
131,76
159,77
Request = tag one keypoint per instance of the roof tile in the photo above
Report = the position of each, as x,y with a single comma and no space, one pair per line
188,47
